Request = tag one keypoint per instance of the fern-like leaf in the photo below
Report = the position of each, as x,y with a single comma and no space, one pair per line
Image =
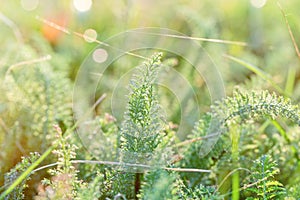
262,180
245,106
141,129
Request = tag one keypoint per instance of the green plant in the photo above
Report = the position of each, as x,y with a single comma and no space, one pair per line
10,177
142,130
35,99
241,108
263,182
142,127
154,153
64,183
144,150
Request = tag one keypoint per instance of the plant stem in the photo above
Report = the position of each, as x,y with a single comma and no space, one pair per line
235,155
137,184
235,186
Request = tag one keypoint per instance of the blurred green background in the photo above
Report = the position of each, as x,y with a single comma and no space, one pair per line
259,23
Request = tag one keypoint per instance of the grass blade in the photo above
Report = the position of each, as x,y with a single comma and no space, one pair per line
258,72
26,173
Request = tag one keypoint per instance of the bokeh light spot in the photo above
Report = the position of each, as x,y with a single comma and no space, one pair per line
258,3
90,35
100,55
29,5
82,5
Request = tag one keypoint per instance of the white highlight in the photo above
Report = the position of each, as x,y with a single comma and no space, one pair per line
29,5
82,5
90,35
100,55
258,3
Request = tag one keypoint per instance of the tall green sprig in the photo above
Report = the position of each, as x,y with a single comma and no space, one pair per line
142,126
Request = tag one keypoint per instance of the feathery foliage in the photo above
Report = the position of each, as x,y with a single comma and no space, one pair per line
93,189
35,99
154,153
9,177
159,184
262,180
242,106
142,128
64,182
240,109
142,125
